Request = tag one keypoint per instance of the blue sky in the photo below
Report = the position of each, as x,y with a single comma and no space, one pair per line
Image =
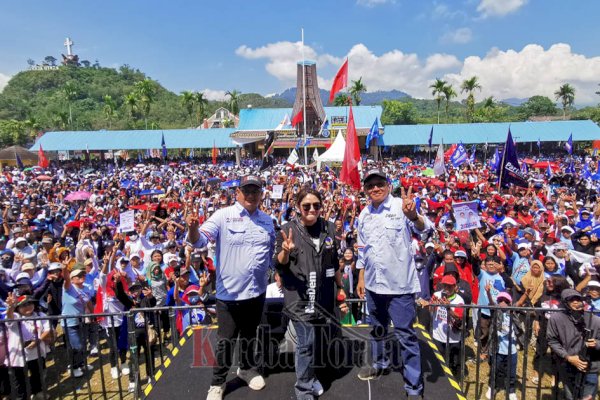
518,48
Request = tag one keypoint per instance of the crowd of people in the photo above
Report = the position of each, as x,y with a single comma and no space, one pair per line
224,237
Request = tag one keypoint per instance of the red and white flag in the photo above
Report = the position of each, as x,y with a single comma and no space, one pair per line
350,174
298,118
340,81
42,160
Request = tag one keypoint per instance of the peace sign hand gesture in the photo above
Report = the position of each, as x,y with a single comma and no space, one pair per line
288,241
409,207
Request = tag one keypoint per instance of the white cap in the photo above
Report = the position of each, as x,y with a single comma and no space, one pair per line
22,275
567,228
429,244
523,245
170,257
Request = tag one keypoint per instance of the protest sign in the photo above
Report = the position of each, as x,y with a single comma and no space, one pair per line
277,192
466,216
127,221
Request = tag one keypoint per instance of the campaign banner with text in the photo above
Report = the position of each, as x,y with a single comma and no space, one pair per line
466,216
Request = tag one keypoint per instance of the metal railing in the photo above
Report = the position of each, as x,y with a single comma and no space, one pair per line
21,340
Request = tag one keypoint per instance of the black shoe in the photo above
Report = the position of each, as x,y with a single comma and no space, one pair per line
367,373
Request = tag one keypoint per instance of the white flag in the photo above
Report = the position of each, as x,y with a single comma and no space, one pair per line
316,158
293,158
285,122
438,166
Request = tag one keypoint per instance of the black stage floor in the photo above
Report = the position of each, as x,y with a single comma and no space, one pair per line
184,376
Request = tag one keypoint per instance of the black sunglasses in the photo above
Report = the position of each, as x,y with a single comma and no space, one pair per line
372,185
247,190
307,206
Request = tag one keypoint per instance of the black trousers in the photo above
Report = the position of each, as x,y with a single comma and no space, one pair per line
236,318
35,368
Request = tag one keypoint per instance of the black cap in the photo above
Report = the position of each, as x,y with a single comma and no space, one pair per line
374,172
250,180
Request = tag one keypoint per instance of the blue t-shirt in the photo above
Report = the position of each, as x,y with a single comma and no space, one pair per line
497,287
73,303
520,267
504,339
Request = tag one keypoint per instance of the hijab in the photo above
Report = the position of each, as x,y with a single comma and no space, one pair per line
536,284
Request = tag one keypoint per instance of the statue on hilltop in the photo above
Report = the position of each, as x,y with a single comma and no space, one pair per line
70,58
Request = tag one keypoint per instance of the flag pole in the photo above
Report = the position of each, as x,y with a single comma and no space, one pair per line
304,99
501,166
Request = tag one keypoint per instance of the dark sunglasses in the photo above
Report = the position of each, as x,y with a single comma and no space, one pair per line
372,185
247,190
307,206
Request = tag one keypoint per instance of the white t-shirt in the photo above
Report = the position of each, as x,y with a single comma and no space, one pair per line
440,321
274,291
28,330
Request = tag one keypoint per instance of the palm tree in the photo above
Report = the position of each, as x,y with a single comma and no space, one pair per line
234,98
566,94
437,92
469,85
201,103
188,102
356,89
146,91
449,93
70,93
489,102
33,125
342,100
131,101
109,109
60,120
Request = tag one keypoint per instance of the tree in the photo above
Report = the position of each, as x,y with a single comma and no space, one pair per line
537,106
60,120
86,63
566,94
188,101
30,62
449,94
70,94
234,106
201,104
398,113
342,100
228,123
131,102
109,109
489,102
33,126
438,92
146,92
356,89
50,60
469,85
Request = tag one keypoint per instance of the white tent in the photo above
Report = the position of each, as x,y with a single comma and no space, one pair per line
336,152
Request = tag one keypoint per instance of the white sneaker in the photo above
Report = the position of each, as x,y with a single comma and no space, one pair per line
512,396
131,387
89,367
114,373
215,392
77,373
125,371
317,388
488,394
94,351
252,378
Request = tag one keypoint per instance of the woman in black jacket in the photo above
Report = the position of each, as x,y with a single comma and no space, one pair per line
306,257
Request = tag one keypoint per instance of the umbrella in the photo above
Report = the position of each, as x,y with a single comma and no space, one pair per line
529,161
428,172
43,178
32,168
77,196
144,207
78,222
544,165
173,164
405,160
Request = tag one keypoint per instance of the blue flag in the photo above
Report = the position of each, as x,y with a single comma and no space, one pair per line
539,144
430,136
307,142
139,156
164,146
192,153
495,161
510,172
459,156
18,161
548,170
570,169
587,174
298,144
472,156
524,168
373,133
324,131
569,144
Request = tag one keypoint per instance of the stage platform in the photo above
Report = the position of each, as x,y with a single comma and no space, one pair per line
187,372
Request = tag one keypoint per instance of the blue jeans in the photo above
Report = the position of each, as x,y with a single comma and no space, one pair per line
503,372
305,358
570,376
400,309
75,337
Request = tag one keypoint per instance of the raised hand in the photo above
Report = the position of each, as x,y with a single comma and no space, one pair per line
409,207
288,241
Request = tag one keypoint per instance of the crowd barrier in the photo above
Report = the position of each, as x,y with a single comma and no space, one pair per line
57,380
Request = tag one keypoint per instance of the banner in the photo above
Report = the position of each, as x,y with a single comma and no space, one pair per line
510,171
277,192
466,216
127,221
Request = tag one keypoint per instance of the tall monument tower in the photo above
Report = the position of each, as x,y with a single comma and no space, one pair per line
315,114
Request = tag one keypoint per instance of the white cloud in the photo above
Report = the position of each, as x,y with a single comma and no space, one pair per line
3,81
502,73
499,8
532,71
459,36
442,11
373,3
214,95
